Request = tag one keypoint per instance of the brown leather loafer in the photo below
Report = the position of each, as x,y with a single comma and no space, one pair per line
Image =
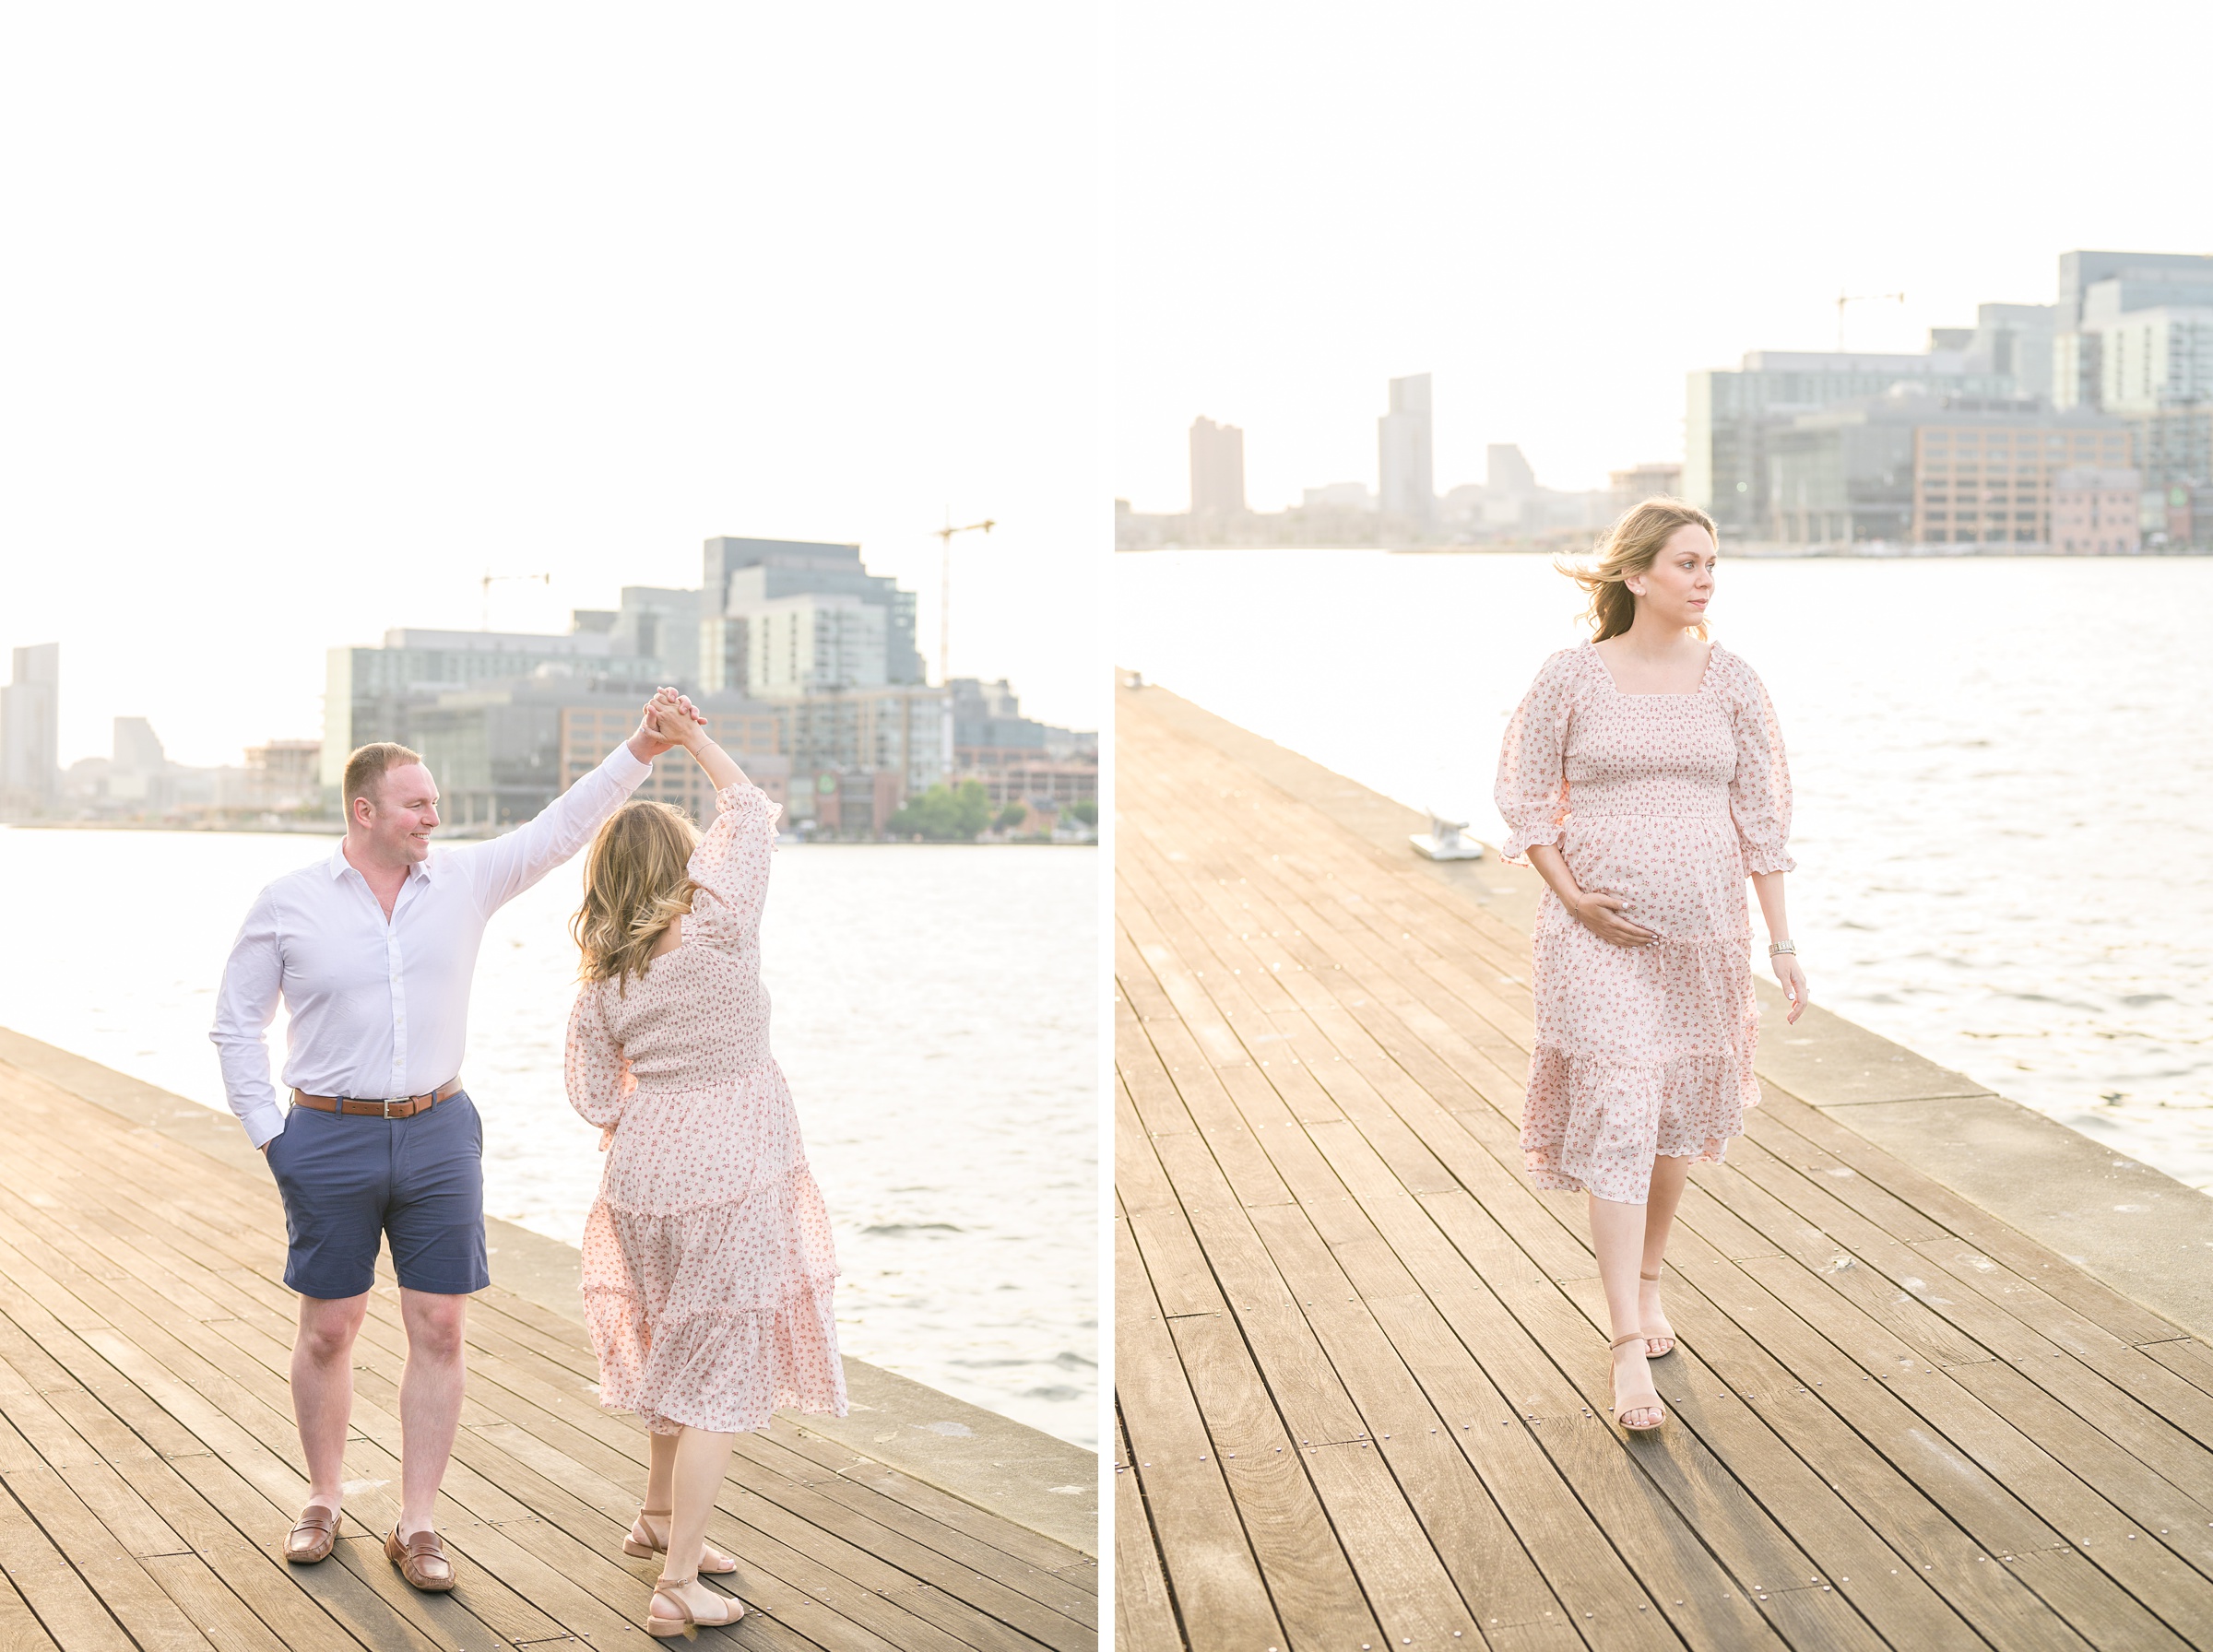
422,1560
313,1538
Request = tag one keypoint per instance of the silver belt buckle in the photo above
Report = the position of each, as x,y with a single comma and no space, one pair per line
388,1105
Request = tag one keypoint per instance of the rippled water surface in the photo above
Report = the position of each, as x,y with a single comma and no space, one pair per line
934,1008
2003,775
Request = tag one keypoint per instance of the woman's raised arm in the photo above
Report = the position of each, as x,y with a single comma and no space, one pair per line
683,726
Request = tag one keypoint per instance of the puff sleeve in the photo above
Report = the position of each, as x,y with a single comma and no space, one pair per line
1531,789
1759,792
732,867
597,1076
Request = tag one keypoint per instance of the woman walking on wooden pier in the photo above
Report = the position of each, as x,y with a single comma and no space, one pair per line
707,1257
1643,777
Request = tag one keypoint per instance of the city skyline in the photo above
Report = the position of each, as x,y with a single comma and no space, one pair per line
2058,409
1560,248
295,371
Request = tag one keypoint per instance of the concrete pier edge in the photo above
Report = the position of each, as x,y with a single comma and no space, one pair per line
2136,1228
1019,1473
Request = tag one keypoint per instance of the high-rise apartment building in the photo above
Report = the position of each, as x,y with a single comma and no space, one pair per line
756,572
30,769
2106,303
2136,337
1217,469
808,643
1405,471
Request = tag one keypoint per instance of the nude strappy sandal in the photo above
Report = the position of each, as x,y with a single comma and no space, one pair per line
668,1626
641,1544
1648,1400
1667,1336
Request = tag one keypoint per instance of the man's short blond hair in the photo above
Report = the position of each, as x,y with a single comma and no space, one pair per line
366,768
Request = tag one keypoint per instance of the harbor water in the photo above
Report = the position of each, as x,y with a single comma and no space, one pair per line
935,1009
2003,772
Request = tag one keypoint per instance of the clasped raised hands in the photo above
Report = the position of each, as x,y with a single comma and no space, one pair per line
670,719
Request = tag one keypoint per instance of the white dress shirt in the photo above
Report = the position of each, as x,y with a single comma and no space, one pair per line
378,1008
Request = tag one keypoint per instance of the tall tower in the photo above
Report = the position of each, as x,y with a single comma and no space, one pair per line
1217,469
31,773
1402,438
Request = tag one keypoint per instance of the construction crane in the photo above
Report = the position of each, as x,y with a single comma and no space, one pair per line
1861,298
945,536
491,578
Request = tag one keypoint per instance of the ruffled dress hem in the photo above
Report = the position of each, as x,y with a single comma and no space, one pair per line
1574,1119
788,1355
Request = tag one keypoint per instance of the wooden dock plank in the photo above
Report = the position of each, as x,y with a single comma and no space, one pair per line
147,1454
1896,1422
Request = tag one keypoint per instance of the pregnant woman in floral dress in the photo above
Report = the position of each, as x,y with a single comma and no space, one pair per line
707,1258
1643,777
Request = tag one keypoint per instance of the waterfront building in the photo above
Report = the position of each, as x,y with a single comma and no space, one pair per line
1339,496
368,691
285,776
1630,488
752,572
2010,342
2174,446
135,748
749,731
1217,469
654,623
2097,292
30,769
2097,512
855,755
1018,759
1404,440
1908,466
804,644
1985,476
1730,414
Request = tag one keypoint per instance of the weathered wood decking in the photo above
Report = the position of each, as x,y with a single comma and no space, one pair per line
1357,1356
151,1466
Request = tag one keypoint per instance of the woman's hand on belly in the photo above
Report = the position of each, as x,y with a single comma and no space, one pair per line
1602,914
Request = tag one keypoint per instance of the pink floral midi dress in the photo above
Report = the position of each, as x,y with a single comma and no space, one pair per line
708,1265
1669,801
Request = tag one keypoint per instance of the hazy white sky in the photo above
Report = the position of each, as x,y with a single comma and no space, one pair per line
1558,211
313,315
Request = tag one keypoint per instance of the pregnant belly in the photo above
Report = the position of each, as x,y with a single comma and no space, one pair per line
1681,875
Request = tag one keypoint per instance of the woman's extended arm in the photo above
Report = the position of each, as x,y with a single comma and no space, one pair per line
1768,886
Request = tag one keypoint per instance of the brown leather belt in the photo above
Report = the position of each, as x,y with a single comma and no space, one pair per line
403,1106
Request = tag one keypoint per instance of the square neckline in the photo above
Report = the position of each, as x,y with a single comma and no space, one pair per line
1705,675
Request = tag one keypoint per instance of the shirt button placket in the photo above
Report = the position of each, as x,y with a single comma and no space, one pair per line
398,1084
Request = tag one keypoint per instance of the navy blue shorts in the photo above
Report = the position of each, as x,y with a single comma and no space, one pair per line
349,1182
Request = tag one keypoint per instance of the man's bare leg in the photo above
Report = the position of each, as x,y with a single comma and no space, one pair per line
430,1400
323,1389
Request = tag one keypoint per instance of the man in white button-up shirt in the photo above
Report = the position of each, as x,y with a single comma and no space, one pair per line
373,951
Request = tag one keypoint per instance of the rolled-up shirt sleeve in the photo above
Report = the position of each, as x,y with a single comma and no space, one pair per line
504,868
244,1006
1531,789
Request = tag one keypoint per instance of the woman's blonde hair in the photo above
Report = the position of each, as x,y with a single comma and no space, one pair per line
636,883
1630,546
